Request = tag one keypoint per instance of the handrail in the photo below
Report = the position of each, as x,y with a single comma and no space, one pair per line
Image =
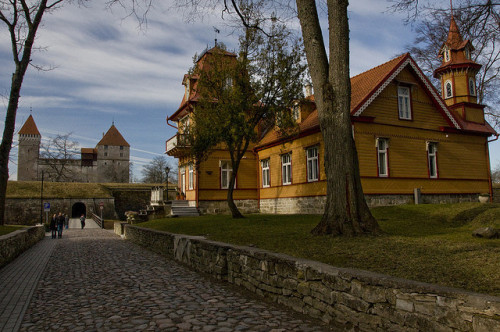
97,219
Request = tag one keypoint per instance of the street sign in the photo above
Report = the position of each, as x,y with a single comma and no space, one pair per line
101,205
46,207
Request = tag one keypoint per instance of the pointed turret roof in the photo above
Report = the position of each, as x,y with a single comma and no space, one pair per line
455,40
29,127
113,137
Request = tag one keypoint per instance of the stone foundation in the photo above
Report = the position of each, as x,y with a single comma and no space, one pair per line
220,207
316,204
349,299
13,244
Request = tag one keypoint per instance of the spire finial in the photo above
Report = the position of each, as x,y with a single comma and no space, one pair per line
451,7
217,31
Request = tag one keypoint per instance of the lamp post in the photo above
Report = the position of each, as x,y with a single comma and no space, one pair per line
167,171
41,202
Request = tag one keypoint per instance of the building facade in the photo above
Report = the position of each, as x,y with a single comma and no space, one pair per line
409,137
109,161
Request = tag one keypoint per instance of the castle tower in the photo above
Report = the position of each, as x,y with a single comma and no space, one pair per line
29,149
458,76
113,157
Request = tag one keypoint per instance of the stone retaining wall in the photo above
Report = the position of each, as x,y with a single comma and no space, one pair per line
348,298
13,244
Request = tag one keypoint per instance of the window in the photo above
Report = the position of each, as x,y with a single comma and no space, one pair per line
266,180
312,164
448,91
446,55
382,156
121,154
191,177
467,53
286,168
228,83
105,147
225,174
187,89
105,154
472,87
432,159
295,112
121,147
404,102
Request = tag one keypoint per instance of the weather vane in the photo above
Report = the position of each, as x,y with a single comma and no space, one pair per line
217,31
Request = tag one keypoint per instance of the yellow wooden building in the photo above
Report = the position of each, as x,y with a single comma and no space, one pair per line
408,136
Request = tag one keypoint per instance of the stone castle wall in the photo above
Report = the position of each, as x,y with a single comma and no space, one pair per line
23,211
345,298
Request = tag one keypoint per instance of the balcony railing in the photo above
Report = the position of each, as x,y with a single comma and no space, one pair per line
175,143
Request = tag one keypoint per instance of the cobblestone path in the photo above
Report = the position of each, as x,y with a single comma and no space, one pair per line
95,281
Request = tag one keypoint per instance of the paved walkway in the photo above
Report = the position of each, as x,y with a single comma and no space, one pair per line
91,280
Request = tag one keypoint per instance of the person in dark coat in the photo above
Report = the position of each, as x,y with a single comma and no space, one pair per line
82,220
66,221
53,225
60,225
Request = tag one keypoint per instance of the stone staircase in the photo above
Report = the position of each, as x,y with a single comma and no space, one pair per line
182,209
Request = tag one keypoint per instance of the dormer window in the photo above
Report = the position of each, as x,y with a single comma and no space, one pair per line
187,89
448,89
472,87
296,112
467,53
446,55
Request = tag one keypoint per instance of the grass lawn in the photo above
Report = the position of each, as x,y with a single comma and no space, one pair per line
9,229
429,243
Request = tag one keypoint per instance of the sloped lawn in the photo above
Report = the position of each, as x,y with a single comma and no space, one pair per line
429,243
9,229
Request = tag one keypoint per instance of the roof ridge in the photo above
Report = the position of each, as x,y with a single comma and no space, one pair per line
382,64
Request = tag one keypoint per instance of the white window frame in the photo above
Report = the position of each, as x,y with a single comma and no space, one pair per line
190,177
472,86
404,102
432,160
187,89
266,179
312,156
296,112
286,169
447,55
446,94
225,173
382,156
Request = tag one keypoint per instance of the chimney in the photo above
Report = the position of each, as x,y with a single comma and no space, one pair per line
309,89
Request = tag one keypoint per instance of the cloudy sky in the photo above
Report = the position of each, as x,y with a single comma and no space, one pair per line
105,68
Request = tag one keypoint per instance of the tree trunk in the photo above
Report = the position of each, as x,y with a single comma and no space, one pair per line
8,134
235,212
15,90
346,211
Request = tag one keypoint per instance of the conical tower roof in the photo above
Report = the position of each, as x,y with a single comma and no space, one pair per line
113,137
29,127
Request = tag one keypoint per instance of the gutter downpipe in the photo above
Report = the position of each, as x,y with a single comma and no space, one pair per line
489,166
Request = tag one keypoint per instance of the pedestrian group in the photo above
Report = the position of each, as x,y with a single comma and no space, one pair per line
61,221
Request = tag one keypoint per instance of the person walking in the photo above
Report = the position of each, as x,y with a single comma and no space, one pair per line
82,220
60,225
53,225
66,221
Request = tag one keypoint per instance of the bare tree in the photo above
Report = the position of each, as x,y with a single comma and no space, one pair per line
479,21
58,157
154,172
22,19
